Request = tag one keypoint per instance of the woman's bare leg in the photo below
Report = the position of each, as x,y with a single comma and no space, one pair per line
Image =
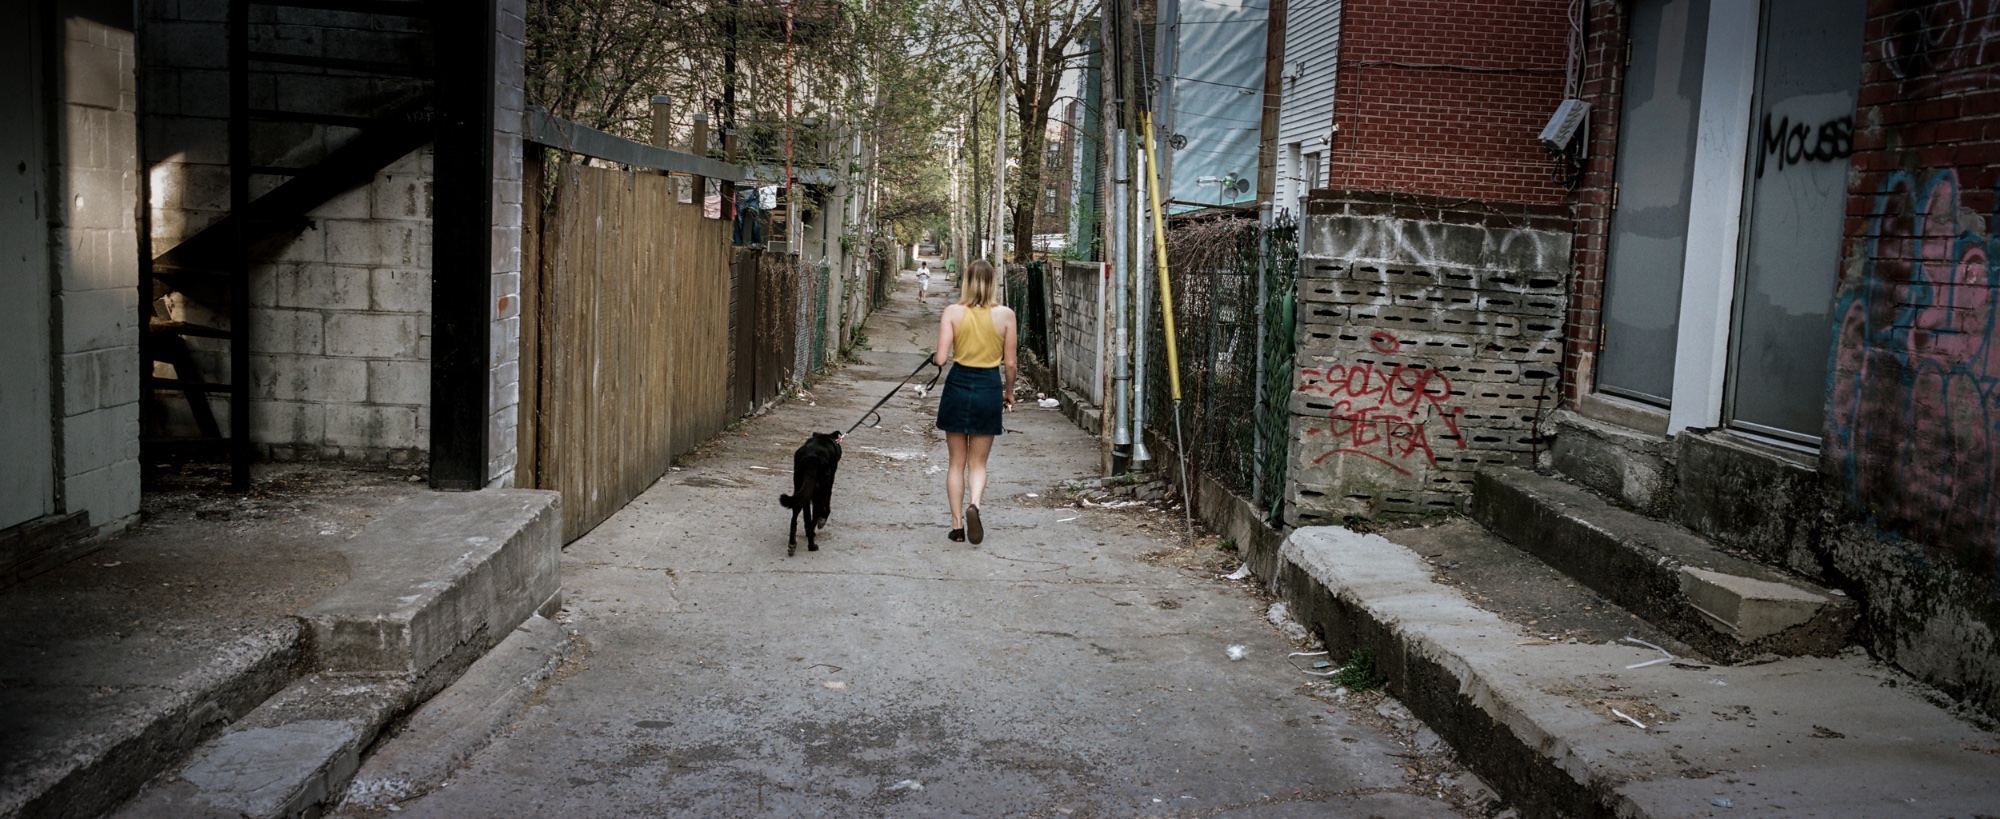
977,448
954,476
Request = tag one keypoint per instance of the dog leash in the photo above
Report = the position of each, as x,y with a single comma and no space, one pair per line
873,411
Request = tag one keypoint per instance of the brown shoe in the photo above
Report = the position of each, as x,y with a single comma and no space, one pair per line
973,531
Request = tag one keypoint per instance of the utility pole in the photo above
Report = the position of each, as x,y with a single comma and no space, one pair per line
1267,143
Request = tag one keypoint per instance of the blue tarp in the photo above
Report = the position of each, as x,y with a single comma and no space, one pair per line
1217,101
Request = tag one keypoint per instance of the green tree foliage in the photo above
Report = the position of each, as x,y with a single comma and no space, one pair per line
868,73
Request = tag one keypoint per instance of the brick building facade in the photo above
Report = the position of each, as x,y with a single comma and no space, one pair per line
1820,304
1444,99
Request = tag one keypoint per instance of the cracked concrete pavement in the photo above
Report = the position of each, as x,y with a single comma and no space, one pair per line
1051,671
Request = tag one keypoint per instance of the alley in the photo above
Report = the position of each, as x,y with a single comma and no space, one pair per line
1051,671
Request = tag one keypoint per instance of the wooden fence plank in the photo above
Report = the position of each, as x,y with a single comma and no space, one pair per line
635,342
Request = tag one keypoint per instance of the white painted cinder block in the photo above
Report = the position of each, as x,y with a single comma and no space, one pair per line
309,246
399,290
372,335
288,422
320,286
399,382
362,425
80,382
99,319
100,438
288,331
117,373
109,493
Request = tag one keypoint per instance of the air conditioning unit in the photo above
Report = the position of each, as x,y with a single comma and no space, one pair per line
1564,123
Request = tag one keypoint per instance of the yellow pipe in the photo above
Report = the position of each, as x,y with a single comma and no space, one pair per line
1160,254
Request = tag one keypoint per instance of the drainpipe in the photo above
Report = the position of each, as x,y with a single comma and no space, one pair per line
1263,298
1142,229
1121,242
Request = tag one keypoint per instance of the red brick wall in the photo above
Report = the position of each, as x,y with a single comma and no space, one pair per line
1603,73
1445,98
1911,414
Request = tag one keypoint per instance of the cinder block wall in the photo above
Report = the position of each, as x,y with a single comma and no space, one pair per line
1079,312
1429,346
94,249
340,341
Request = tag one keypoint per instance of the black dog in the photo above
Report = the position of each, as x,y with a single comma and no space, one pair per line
812,487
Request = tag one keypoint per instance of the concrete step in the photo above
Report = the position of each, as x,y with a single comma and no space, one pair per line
85,723
286,758
435,583
1726,607
438,580
1545,721
457,723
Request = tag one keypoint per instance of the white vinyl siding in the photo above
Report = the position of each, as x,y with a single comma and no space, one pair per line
1305,109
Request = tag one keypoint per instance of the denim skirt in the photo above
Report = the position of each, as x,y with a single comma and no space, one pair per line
970,402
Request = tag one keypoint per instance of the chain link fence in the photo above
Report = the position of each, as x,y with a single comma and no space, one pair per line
1234,317
1026,289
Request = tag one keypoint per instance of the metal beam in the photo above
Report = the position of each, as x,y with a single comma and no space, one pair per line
462,308
544,128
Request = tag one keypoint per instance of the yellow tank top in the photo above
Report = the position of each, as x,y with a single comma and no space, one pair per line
976,343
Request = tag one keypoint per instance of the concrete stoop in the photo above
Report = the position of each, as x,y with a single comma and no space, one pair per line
151,703
1571,728
436,583
1727,607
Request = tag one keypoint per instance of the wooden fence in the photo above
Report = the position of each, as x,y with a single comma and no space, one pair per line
628,306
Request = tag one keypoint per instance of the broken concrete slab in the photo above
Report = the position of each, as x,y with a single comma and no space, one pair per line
438,580
1569,729
1749,608
1636,561
462,719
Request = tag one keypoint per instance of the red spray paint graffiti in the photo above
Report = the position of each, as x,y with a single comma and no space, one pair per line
1376,408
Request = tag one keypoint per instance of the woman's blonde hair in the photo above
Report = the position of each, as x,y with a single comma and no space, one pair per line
979,288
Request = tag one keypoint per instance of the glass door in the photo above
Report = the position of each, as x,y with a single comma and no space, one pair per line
1795,198
1649,220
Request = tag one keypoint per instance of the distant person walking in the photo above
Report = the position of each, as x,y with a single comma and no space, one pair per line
977,336
923,281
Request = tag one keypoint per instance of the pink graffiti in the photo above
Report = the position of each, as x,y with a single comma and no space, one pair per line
1916,385
1375,415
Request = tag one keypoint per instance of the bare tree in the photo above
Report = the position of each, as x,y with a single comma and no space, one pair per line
1041,35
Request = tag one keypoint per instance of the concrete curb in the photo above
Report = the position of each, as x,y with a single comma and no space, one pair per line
1819,736
458,722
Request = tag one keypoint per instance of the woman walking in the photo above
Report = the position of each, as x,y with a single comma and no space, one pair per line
977,336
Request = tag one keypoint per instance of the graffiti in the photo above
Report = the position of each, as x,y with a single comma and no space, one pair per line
1376,407
1793,143
1949,44
1915,392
